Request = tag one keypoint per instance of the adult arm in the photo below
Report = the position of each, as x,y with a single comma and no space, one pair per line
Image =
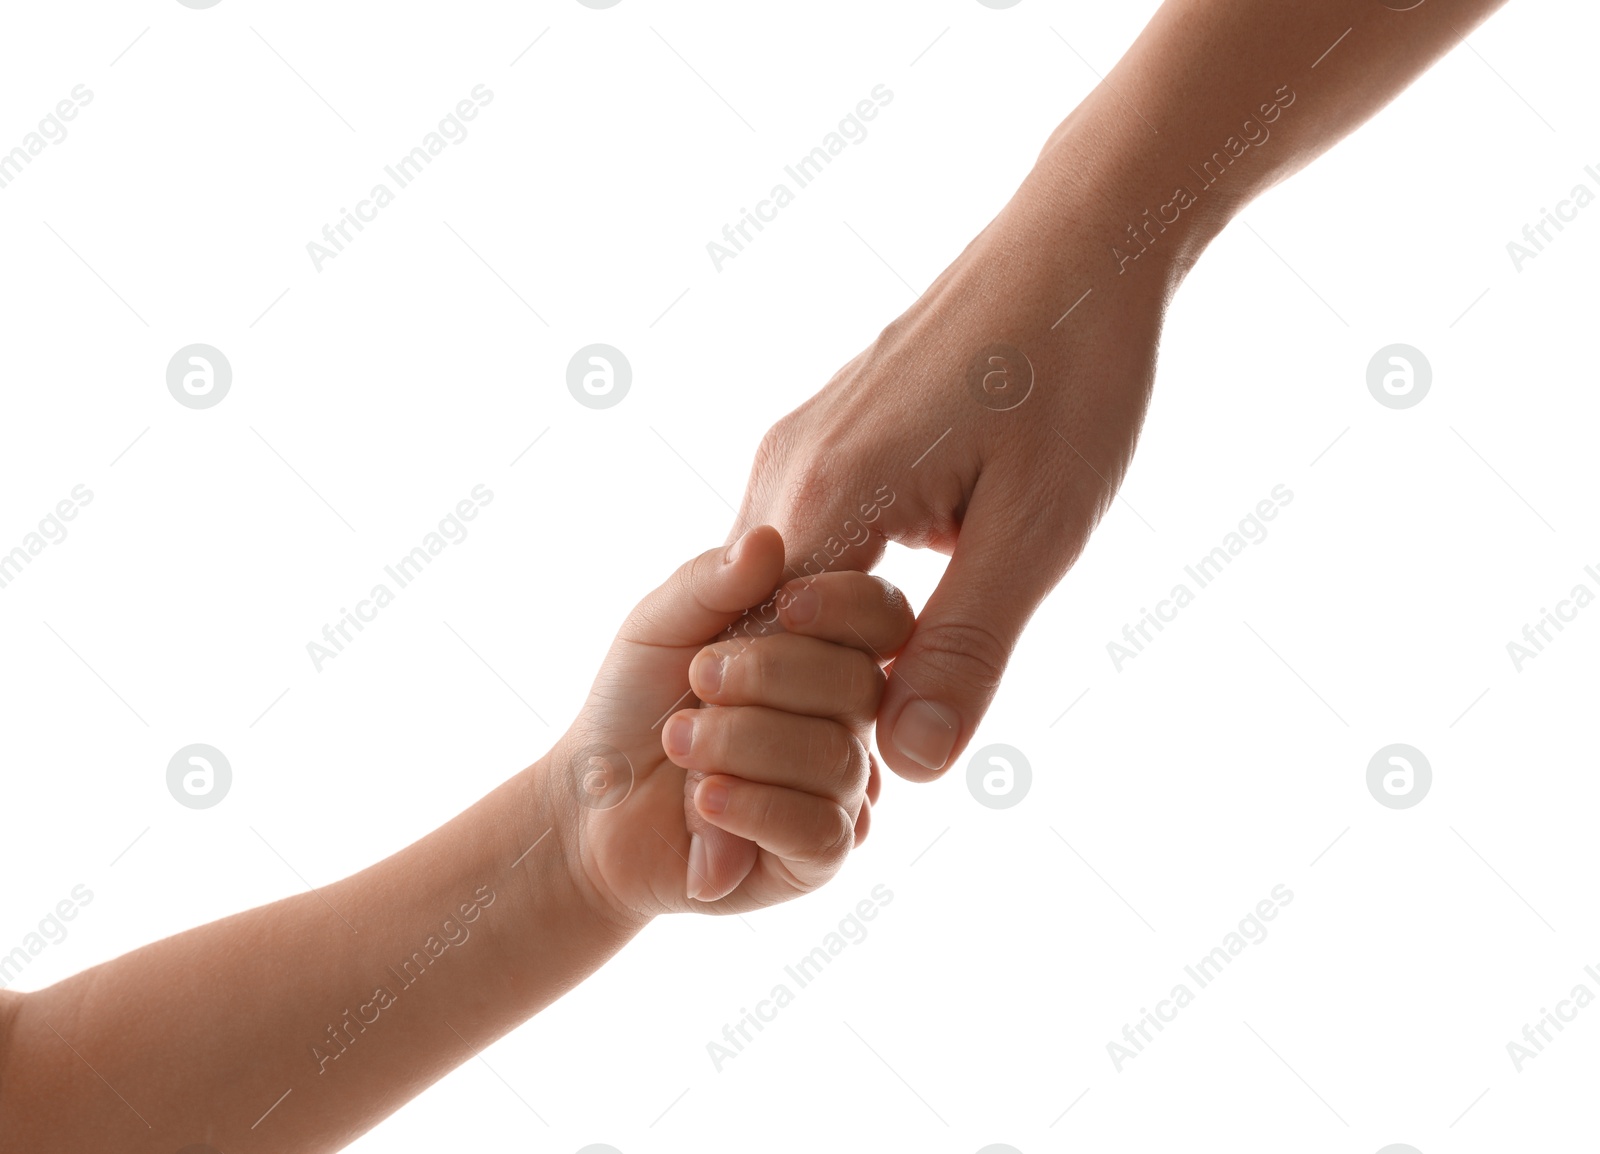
916,439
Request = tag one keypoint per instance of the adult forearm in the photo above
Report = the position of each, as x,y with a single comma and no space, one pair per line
1218,100
330,1009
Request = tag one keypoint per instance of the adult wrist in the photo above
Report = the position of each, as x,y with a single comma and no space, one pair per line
1143,213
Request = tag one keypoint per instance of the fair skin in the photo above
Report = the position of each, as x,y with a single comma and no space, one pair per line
1012,495
191,1039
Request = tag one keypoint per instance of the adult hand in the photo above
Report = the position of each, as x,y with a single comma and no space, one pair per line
993,422
996,418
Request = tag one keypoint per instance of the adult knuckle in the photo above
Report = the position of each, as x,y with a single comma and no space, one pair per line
889,336
774,446
812,484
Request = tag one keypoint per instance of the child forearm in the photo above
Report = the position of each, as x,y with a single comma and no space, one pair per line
300,1024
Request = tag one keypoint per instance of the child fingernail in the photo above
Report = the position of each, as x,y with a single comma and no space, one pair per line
925,734
677,736
708,672
803,606
697,866
713,798
732,554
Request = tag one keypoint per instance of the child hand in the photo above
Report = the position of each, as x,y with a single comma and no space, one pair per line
775,784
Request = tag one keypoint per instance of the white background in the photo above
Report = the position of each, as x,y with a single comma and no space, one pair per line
1170,799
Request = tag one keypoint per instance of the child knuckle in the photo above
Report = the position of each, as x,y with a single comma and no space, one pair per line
851,766
763,671
836,836
863,683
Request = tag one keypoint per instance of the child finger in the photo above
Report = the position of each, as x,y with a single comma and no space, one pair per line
789,672
705,594
804,830
771,747
856,609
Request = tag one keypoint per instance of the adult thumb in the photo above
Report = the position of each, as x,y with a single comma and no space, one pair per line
1005,562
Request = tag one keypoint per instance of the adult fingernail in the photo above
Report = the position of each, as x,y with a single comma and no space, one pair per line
697,866
803,606
708,672
926,733
713,798
677,736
